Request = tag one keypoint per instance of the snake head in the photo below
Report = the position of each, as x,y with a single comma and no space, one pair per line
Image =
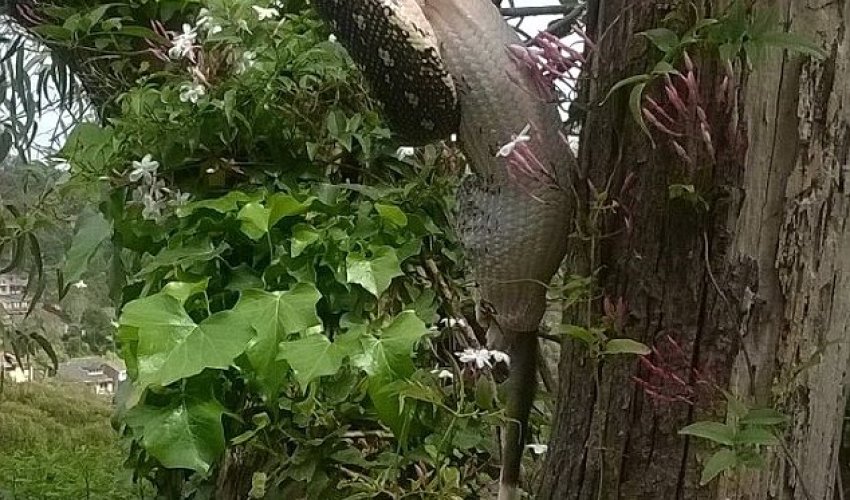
397,50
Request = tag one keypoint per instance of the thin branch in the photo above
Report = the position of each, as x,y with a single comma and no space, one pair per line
545,10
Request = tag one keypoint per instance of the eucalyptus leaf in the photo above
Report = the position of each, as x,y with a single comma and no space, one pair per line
91,231
713,431
763,416
625,346
664,39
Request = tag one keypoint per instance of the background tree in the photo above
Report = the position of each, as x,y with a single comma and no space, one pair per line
737,253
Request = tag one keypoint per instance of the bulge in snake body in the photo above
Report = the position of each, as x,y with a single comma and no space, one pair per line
514,241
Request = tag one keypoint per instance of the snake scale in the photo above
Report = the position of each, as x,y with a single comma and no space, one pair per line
441,67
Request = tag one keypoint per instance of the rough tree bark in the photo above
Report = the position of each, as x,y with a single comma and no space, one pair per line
778,248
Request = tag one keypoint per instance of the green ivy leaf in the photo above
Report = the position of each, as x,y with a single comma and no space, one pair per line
255,220
423,392
392,214
224,204
171,346
302,237
182,256
721,461
281,312
283,205
273,316
182,291
391,352
312,357
385,393
388,359
376,273
187,434
713,431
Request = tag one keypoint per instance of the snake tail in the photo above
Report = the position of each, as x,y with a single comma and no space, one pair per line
522,347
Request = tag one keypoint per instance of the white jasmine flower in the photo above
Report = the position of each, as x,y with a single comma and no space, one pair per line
264,13
204,18
537,449
478,357
144,169
405,152
61,165
191,93
151,207
249,58
500,357
215,29
183,44
453,322
443,374
508,148
332,38
80,285
482,357
179,198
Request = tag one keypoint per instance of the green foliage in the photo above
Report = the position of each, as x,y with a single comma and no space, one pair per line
31,235
740,440
269,252
740,32
91,232
688,194
599,344
57,443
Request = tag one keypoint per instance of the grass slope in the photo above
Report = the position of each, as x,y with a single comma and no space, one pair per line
56,442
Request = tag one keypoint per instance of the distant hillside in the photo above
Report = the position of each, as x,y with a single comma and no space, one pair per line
57,442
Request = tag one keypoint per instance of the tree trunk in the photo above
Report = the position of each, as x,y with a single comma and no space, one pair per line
755,291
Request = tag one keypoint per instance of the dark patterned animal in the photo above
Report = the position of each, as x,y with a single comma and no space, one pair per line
514,209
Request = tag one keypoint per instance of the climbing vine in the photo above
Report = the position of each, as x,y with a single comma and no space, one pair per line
291,297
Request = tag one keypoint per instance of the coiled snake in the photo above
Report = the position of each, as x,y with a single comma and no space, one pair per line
443,66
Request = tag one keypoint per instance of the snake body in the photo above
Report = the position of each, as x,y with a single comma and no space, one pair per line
513,229
398,52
